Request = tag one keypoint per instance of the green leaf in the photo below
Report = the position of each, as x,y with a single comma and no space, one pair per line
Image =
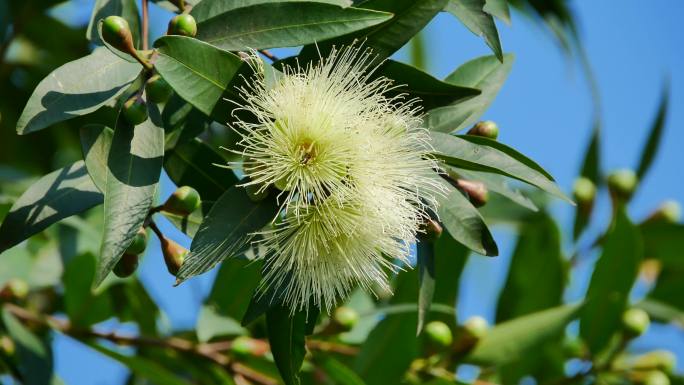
188,224
426,277
200,73
537,254
207,9
611,283
338,372
518,337
471,13
84,307
664,241
483,154
286,336
450,260
96,140
195,164
134,166
226,231
651,147
124,8
661,311
669,287
263,25
235,281
142,367
486,74
465,224
33,355
418,84
55,196
591,169
77,88
496,183
211,323
499,9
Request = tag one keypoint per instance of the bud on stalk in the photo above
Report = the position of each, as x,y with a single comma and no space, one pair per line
183,25
439,335
174,254
488,129
117,33
157,89
635,322
669,212
183,201
345,317
135,110
477,191
126,265
622,184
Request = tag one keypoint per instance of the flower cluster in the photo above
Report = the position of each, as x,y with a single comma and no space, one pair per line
354,169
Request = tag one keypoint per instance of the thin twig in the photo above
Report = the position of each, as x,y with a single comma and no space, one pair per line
145,25
269,55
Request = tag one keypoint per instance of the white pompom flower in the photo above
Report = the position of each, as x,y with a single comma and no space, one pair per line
355,173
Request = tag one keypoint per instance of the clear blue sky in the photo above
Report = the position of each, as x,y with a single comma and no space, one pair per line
544,110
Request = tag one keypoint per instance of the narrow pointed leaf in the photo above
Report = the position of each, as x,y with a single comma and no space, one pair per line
55,196
498,184
426,276
472,14
487,74
591,169
263,25
77,88
124,8
498,9
450,260
96,140
134,166
339,372
651,147
209,9
286,337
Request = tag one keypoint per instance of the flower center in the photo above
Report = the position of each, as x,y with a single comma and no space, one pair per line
307,152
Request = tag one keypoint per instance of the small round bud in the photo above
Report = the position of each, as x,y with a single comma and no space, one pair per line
669,211
256,193
7,346
139,243
476,326
656,377
157,89
573,347
477,191
135,110
15,288
663,360
126,265
117,33
183,201
439,334
487,128
346,317
432,231
622,183
183,25
584,191
174,255
242,346
635,322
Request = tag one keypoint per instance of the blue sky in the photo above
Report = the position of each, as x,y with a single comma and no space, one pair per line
544,110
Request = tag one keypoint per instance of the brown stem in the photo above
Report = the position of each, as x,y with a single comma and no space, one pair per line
145,24
156,230
268,54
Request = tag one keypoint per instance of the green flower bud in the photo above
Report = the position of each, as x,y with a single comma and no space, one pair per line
174,255
663,360
346,317
584,191
126,265
669,211
242,346
7,346
439,334
135,110
183,25
656,377
635,322
477,191
117,33
183,201
139,243
476,326
157,89
622,183
488,129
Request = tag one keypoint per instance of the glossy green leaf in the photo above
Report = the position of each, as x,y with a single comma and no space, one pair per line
200,73
426,277
498,9
664,241
235,281
143,367
338,372
207,9
84,307
188,224
96,140
196,164
471,13
124,8
612,280
513,339
465,224
669,287
537,254
226,231
33,355
263,25
650,150
591,169
496,183
486,74
418,84
134,166
286,337
450,260
77,88
482,154
55,196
